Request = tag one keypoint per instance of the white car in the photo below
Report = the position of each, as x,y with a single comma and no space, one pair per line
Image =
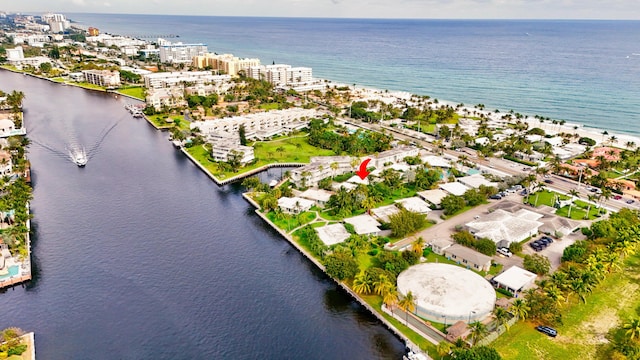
504,251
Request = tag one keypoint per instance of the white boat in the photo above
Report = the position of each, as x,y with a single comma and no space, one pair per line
78,156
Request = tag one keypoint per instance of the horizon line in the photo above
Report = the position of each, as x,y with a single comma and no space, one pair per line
332,18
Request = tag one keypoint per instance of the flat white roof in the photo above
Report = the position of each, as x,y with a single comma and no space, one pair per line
515,278
436,161
293,202
364,224
434,196
355,179
346,185
454,188
384,212
317,194
415,204
332,234
475,181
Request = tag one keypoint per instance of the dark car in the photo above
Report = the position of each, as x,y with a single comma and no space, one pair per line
548,181
495,197
547,330
536,246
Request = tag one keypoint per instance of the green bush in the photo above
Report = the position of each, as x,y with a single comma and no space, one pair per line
504,292
373,252
426,252
515,247
17,350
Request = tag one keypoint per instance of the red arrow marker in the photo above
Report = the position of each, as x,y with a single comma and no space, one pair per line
362,172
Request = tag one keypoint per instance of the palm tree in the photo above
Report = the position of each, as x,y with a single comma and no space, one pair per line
418,245
574,194
592,199
368,203
408,303
538,188
554,293
502,317
390,298
361,284
478,331
633,328
381,285
334,166
443,348
520,308
580,288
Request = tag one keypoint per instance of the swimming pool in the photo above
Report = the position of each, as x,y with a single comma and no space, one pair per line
13,271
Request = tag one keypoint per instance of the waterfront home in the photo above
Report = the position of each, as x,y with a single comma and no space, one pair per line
294,205
332,234
319,196
165,97
515,279
6,165
467,257
504,228
364,224
8,128
310,175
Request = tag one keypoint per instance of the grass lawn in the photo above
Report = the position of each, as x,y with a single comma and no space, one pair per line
86,85
269,106
159,121
545,197
615,300
290,222
293,149
578,210
135,91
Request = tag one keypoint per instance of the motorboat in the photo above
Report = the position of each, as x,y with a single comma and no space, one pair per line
79,157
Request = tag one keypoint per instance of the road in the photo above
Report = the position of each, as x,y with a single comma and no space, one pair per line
507,167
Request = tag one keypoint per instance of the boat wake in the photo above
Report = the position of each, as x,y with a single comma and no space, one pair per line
78,156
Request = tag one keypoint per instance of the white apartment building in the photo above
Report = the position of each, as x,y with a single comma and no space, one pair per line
320,168
225,63
393,156
287,120
170,97
181,53
221,151
105,78
171,79
281,74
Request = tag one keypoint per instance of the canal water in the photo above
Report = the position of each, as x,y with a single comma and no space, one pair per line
139,255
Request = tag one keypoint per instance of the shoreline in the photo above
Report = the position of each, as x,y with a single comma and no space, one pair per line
567,127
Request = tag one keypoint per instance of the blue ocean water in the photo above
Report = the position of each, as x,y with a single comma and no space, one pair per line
585,72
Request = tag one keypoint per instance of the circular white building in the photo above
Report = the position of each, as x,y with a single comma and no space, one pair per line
448,293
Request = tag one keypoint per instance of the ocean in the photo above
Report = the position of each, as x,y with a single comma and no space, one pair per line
585,72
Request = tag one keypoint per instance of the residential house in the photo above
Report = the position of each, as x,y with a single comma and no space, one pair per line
467,257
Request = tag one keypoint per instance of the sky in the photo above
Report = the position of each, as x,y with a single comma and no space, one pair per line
426,9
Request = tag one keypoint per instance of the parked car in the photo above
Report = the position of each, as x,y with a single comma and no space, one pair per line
495,197
535,246
617,197
504,251
547,330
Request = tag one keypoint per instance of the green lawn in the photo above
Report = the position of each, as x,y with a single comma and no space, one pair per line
613,301
269,106
290,222
293,149
578,210
135,91
87,85
159,121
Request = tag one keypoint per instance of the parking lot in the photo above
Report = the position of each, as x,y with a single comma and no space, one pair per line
554,251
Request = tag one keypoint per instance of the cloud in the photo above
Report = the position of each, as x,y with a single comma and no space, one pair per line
79,2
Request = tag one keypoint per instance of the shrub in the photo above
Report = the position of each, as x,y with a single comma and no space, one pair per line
485,246
373,252
504,292
515,247
426,252
341,265
537,264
